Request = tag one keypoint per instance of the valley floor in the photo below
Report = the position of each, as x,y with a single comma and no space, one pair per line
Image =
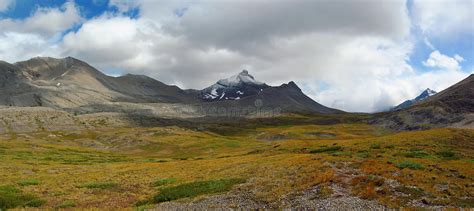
338,166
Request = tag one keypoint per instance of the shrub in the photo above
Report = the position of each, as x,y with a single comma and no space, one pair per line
341,153
416,154
164,181
375,146
326,149
35,202
67,204
368,192
446,154
467,203
370,179
409,164
99,185
363,154
414,192
11,197
195,189
28,182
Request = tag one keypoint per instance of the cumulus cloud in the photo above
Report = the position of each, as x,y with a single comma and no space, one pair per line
351,55
379,94
438,60
272,34
18,46
359,49
245,26
444,17
36,35
110,39
45,21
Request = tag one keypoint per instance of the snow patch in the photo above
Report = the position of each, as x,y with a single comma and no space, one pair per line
243,77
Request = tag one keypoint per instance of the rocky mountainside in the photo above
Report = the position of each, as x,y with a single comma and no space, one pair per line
458,98
423,96
68,83
242,91
73,85
453,107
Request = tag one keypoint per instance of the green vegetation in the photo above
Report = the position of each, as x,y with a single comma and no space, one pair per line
66,204
416,154
120,168
447,154
100,185
195,189
414,192
162,182
363,154
409,164
11,197
27,182
375,146
326,149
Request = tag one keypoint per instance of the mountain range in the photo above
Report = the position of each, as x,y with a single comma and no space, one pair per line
75,87
72,84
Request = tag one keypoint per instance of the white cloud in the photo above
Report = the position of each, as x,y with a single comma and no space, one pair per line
459,58
124,5
350,47
111,39
5,4
36,35
441,61
18,46
444,17
45,21
379,94
360,75
359,50
243,26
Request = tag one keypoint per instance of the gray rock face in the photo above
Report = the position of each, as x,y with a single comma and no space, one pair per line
69,83
242,95
234,88
73,85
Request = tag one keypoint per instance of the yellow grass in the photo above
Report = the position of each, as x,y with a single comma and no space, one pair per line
274,161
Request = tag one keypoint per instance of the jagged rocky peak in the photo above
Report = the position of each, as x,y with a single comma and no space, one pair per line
233,88
425,94
242,78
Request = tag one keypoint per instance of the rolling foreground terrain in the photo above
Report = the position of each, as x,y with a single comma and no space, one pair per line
72,137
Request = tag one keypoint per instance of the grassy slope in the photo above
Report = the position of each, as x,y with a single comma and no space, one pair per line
122,167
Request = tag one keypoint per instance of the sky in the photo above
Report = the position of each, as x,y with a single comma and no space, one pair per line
354,55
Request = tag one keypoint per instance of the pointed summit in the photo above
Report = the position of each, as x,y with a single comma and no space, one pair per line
242,78
424,95
233,88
